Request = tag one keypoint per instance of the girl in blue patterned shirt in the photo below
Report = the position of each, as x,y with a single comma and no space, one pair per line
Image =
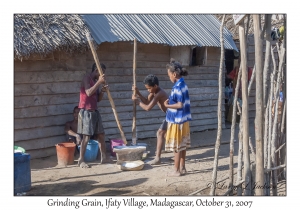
178,117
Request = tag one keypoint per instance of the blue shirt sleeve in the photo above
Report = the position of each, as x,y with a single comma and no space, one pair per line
178,96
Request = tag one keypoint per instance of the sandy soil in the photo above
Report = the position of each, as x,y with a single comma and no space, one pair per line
108,180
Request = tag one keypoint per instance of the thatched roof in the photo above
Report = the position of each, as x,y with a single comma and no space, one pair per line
42,34
277,21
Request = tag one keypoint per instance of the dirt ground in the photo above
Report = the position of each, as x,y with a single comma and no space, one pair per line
49,179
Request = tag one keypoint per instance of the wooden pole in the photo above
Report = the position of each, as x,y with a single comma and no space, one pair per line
251,80
245,116
231,152
273,60
268,175
262,33
266,72
240,153
252,149
240,135
283,82
283,118
270,120
218,140
259,107
266,137
274,132
89,39
134,137
248,24
249,89
266,86
246,33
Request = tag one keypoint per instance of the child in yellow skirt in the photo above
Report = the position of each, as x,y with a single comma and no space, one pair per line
178,117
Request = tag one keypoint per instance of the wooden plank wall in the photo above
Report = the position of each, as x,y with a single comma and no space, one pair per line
45,93
152,59
47,90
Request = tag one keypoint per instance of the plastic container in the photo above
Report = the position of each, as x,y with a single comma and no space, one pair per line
19,149
65,153
22,173
114,143
91,151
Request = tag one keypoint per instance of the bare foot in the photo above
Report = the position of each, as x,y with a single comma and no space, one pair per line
183,171
174,173
155,161
82,164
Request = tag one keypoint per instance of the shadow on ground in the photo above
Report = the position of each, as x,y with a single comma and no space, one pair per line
73,188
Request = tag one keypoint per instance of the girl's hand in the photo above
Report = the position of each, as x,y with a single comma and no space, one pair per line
166,103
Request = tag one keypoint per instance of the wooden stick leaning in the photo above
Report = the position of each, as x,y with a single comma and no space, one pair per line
240,153
279,148
275,168
134,137
89,39
219,134
270,121
231,153
274,131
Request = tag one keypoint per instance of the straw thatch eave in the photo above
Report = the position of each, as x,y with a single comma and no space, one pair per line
41,34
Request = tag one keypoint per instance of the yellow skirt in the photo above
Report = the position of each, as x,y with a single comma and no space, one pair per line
178,137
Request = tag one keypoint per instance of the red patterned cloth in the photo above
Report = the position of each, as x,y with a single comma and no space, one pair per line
233,73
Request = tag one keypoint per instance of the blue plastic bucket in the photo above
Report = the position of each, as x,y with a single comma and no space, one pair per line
22,173
91,152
